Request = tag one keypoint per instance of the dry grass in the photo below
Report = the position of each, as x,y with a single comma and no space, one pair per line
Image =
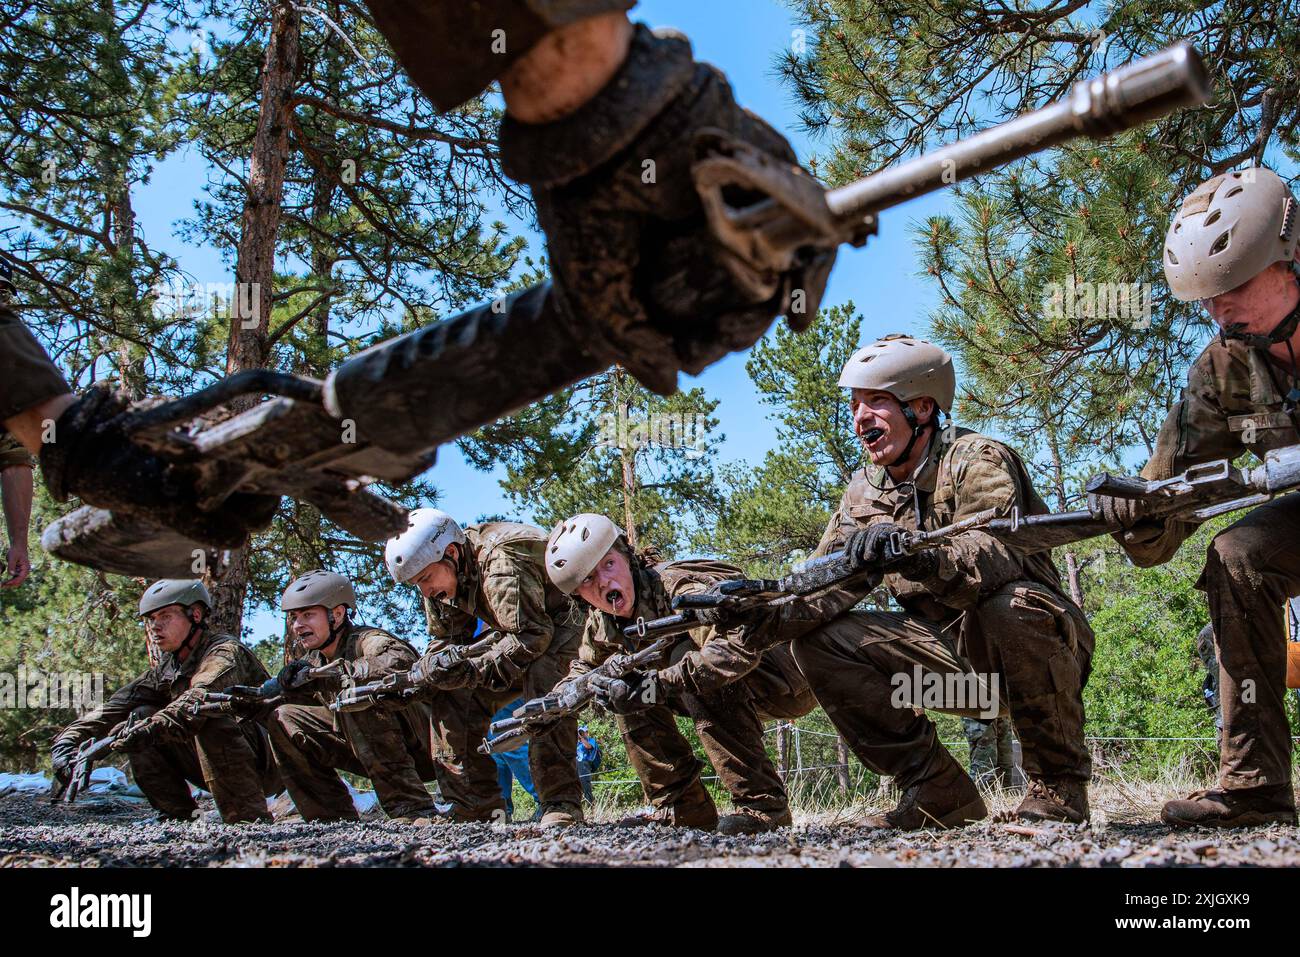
1117,794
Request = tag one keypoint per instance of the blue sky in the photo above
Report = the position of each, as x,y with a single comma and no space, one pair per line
743,38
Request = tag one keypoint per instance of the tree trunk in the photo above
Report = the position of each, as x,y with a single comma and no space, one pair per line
255,260
842,765
1073,578
628,458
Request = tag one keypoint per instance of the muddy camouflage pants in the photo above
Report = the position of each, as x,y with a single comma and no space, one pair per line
231,760
460,723
862,664
384,746
729,723
1251,569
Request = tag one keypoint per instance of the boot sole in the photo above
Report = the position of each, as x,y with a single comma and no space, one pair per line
1035,817
1249,819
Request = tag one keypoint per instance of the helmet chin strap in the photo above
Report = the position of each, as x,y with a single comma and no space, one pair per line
1283,332
335,632
917,431
196,628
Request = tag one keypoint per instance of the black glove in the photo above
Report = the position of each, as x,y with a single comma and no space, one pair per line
1123,513
60,768
253,706
635,691
294,675
870,546
631,250
138,736
444,670
91,457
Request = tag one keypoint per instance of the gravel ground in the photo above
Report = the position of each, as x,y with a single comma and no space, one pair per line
119,833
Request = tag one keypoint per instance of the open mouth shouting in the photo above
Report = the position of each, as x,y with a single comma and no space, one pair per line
616,600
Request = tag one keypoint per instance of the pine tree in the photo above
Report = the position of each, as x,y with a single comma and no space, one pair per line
775,513
1048,272
609,445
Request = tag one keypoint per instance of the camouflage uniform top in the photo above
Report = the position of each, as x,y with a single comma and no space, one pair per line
217,662
720,656
27,376
656,586
963,473
1233,402
382,653
503,582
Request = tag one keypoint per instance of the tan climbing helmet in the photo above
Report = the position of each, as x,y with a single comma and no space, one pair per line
327,589
424,542
576,546
905,367
1229,230
174,591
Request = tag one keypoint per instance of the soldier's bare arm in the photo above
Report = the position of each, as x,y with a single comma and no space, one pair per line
16,492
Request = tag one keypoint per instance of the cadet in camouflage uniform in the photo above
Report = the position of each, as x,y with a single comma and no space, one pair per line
1210,686
1233,247
493,573
972,607
389,744
726,685
172,748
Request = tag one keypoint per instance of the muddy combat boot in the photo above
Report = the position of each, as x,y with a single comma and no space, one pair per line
1236,808
947,799
1054,799
748,820
561,814
695,809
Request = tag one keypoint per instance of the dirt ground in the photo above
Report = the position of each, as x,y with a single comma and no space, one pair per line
121,833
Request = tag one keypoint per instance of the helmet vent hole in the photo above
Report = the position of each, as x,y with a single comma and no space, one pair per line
1221,243
1214,217
586,533
1172,258
561,562
1234,191
1178,227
